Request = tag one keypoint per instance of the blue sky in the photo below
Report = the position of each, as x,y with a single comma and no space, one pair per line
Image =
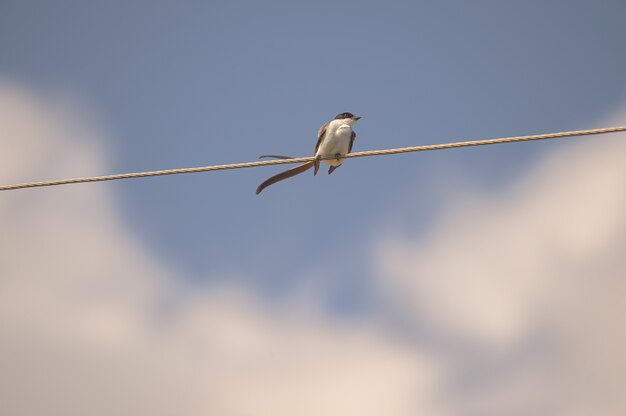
159,85
203,83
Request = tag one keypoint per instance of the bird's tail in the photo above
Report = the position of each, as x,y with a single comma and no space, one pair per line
284,175
316,162
276,157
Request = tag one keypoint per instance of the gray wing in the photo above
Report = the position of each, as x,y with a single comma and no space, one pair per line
351,141
320,136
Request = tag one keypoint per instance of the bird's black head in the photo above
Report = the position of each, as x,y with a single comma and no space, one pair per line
345,115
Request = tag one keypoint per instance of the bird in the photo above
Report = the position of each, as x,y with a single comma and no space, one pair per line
334,138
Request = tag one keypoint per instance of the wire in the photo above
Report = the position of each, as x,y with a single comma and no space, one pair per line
311,158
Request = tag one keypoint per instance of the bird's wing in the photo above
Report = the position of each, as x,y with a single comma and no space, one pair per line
284,175
320,136
351,141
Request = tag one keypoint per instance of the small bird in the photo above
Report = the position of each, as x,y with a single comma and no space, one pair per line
334,138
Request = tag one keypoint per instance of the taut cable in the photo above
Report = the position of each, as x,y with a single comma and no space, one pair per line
310,158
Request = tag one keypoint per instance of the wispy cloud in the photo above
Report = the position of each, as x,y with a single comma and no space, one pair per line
517,298
93,323
524,289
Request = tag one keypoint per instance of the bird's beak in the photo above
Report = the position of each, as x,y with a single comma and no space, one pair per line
357,118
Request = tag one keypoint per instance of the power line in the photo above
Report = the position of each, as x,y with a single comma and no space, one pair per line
311,158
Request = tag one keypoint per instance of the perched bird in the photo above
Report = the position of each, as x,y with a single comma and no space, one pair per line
334,138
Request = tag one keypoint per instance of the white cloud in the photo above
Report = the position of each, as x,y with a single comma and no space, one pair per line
534,275
81,324
528,284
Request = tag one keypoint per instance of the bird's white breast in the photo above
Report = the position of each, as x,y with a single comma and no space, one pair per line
336,140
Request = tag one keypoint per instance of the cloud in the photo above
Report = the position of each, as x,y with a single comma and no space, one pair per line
515,299
93,323
524,289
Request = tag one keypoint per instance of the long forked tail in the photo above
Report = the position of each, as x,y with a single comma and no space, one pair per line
284,175
276,157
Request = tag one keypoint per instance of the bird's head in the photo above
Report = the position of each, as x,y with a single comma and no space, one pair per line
349,118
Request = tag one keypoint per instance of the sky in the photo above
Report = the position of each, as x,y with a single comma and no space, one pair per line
461,282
